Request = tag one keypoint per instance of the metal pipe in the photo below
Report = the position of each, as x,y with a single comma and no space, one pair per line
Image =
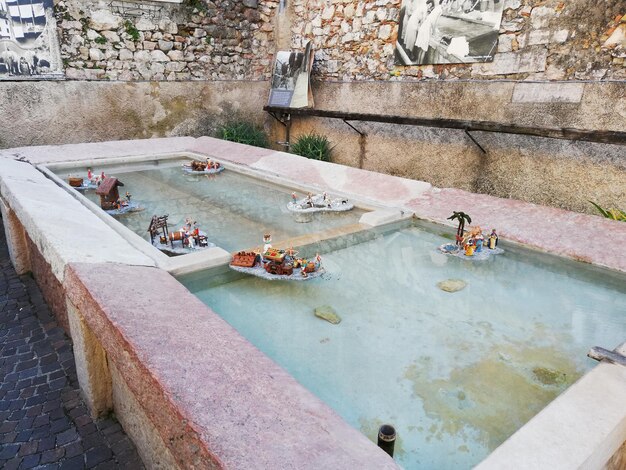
387,438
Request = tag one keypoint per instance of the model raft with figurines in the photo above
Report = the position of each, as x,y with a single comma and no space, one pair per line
471,244
275,264
91,182
209,167
110,200
182,241
318,203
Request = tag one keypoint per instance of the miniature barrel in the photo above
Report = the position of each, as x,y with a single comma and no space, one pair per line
387,438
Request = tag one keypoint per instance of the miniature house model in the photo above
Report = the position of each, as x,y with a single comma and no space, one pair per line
108,193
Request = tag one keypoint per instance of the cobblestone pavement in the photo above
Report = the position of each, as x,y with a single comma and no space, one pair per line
44,422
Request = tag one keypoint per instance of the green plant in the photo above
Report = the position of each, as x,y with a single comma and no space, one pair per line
613,214
100,40
313,146
131,30
244,133
199,5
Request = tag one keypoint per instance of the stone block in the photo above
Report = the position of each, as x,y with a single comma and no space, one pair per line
532,59
145,24
165,46
125,54
540,17
168,26
548,92
111,36
95,54
103,20
16,240
384,32
539,36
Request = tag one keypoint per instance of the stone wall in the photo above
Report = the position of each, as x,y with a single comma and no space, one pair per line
196,40
539,39
354,40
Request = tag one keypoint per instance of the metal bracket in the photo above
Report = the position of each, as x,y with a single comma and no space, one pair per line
282,117
355,129
600,354
474,140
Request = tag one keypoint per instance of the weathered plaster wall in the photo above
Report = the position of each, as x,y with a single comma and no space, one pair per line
539,39
73,111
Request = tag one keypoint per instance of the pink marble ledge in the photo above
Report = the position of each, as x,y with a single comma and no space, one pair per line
111,149
582,237
217,401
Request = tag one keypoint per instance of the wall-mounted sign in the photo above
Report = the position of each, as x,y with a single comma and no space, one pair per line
29,47
291,79
448,31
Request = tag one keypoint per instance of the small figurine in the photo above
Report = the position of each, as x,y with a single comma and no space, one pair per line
469,248
89,174
267,242
294,197
493,239
479,240
309,199
128,196
102,176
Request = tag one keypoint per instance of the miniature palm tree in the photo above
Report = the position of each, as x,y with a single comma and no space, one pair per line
462,217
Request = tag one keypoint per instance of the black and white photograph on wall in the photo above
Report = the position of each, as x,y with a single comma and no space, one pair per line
448,31
291,87
29,47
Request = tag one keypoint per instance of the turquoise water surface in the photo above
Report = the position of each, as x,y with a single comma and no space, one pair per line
455,373
234,210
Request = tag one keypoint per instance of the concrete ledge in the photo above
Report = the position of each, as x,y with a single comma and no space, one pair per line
60,227
215,400
98,150
583,428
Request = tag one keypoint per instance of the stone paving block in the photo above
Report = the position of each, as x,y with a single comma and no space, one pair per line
97,455
9,451
53,455
28,448
75,463
30,461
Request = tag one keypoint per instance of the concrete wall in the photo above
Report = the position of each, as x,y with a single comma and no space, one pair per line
38,113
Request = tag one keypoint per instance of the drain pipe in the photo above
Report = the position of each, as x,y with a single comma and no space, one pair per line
387,438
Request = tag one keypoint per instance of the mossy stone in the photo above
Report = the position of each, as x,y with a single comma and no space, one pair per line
452,285
326,312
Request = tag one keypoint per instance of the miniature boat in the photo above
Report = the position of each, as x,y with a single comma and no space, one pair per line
185,240
83,184
202,168
80,185
125,207
318,203
472,245
276,264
